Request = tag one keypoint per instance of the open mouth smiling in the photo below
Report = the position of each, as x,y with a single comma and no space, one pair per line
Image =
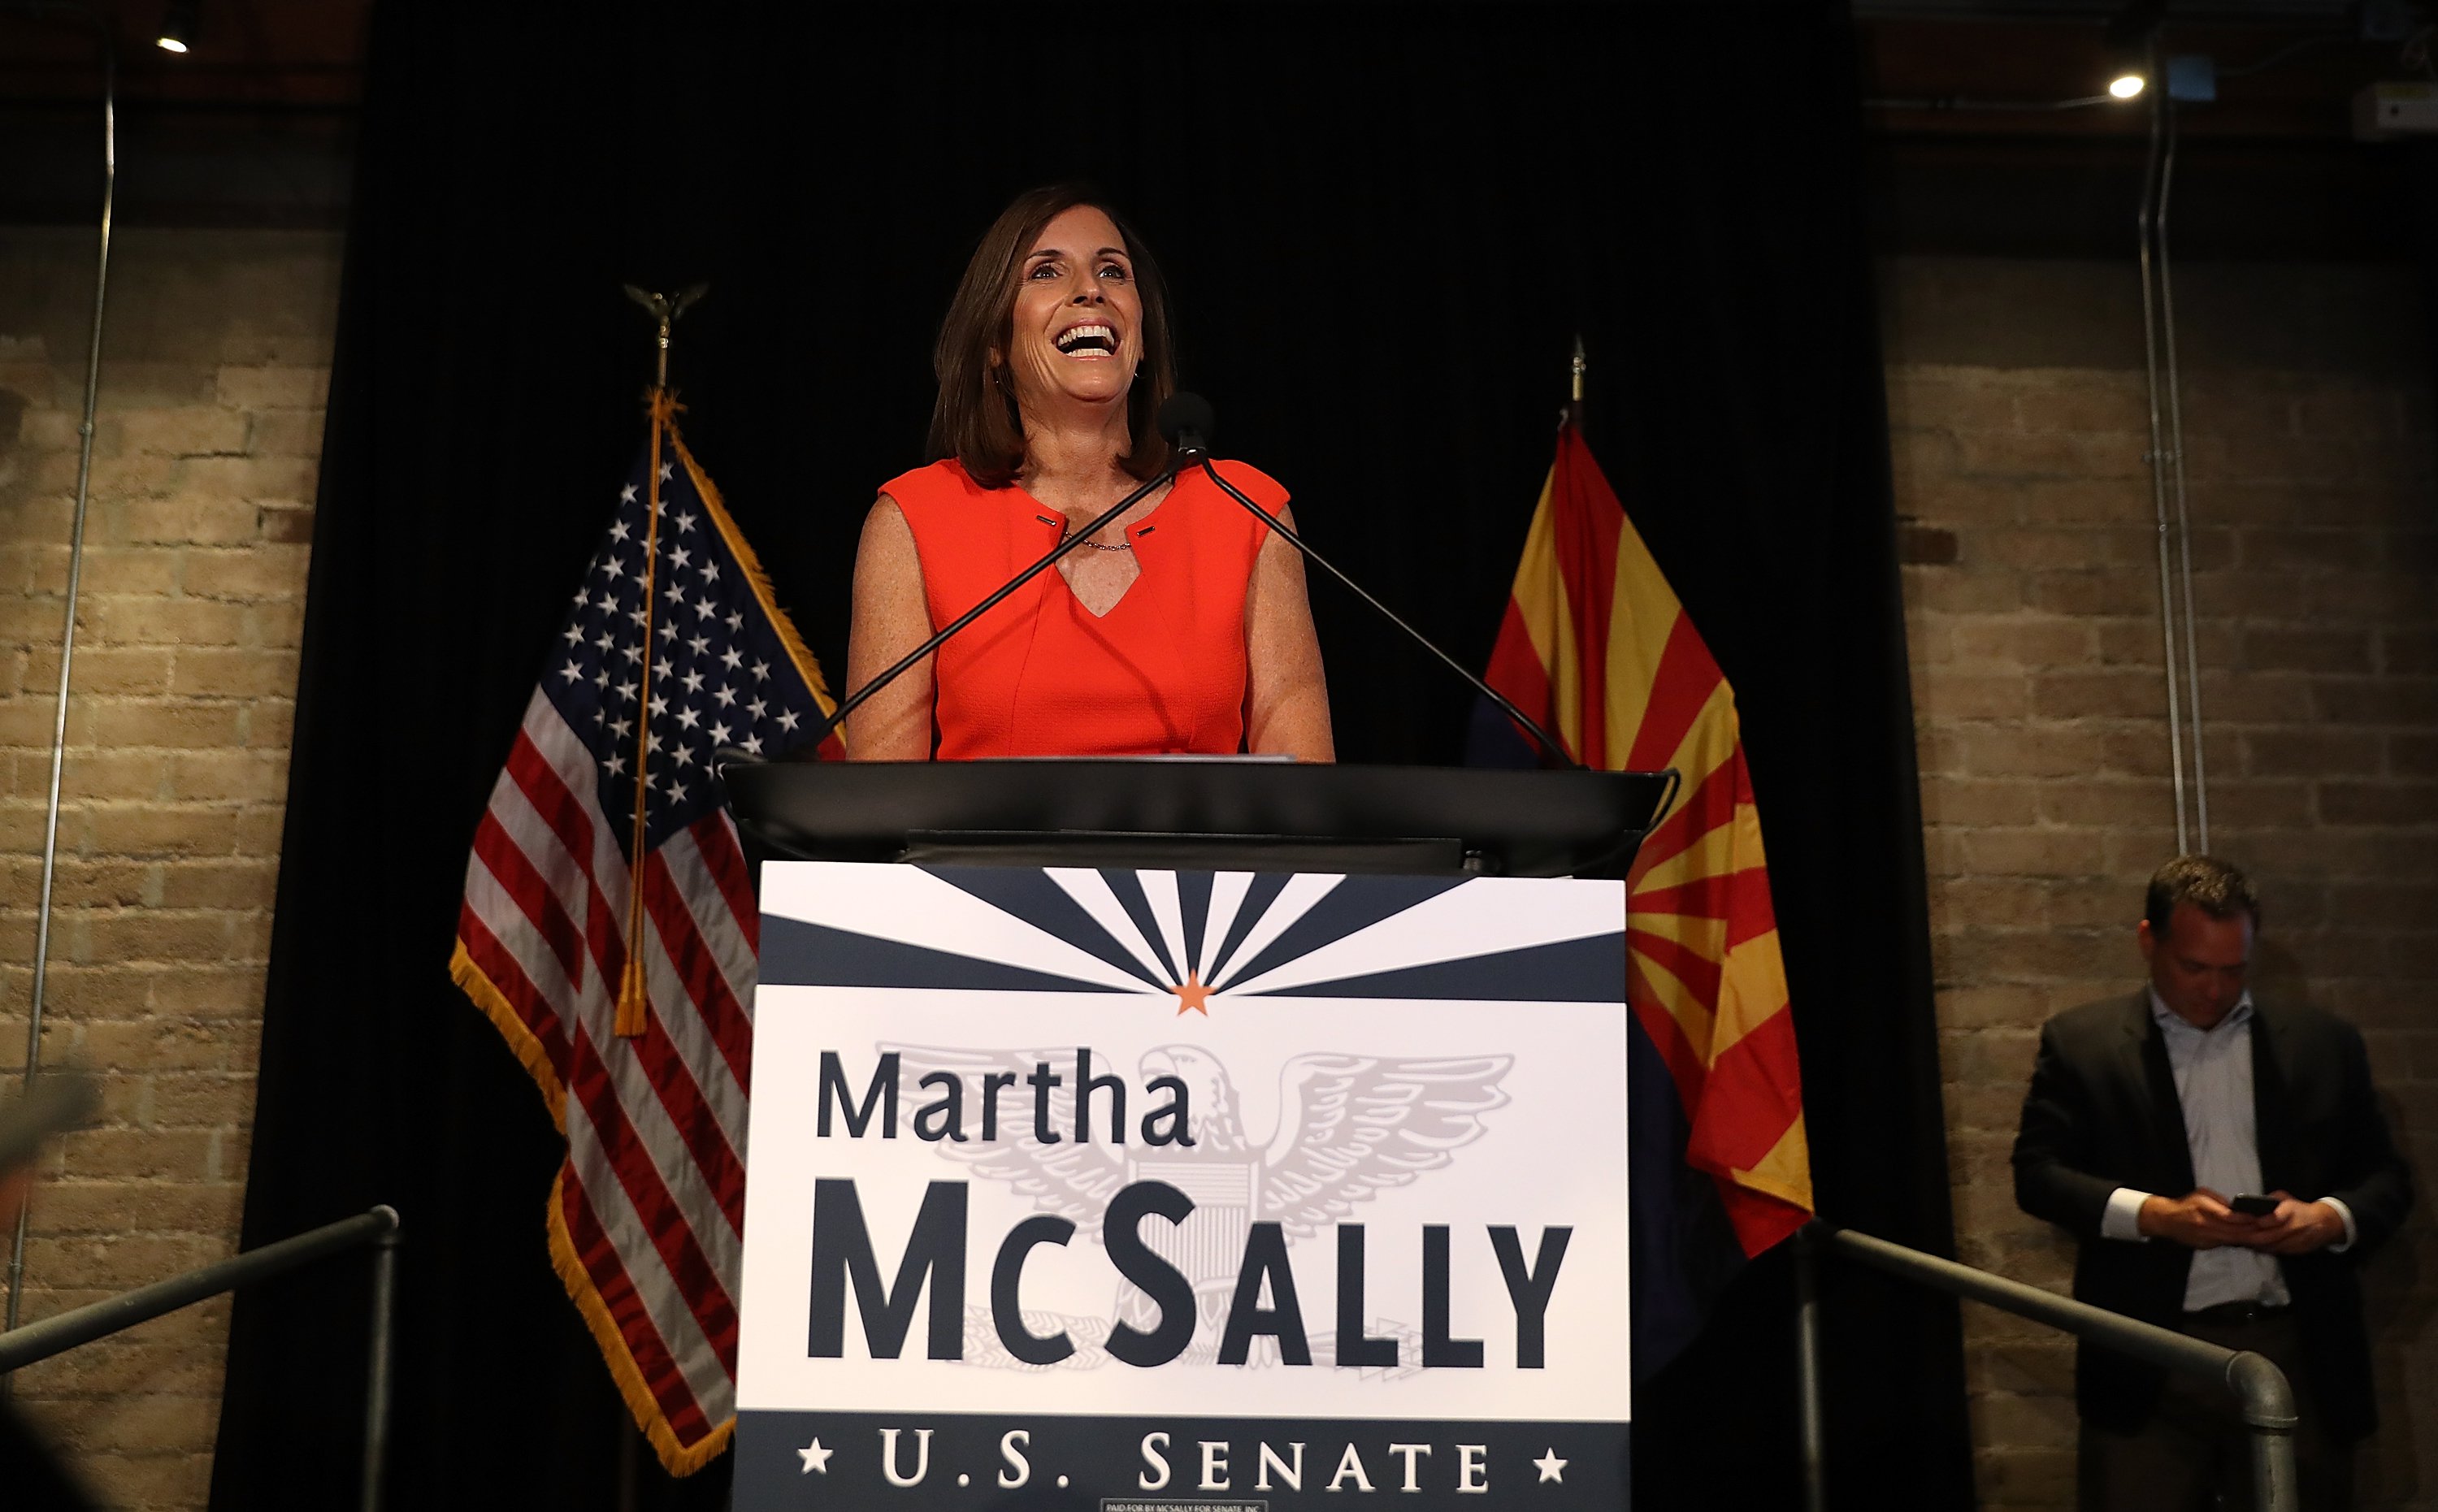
1089,340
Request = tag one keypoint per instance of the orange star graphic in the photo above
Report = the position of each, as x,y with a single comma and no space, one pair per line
1191,993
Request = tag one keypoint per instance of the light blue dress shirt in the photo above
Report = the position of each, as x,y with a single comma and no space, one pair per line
2213,1071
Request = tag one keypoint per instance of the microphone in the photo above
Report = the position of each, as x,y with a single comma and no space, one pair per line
1187,420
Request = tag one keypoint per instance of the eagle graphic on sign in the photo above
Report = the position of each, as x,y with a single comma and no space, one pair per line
1348,1127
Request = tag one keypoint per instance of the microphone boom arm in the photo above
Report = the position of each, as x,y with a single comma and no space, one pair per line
1547,742
1066,544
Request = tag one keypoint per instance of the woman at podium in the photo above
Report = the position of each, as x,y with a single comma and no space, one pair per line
1182,627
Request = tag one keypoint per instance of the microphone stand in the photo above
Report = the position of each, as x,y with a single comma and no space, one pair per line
1067,543
1192,455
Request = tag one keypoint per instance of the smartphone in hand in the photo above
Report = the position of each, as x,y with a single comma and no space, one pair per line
2252,1204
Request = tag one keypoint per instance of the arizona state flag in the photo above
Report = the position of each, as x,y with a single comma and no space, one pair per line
1597,649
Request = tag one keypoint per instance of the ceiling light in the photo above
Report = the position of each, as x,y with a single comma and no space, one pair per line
2129,41
177,27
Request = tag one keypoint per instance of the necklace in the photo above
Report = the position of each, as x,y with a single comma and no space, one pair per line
1068,532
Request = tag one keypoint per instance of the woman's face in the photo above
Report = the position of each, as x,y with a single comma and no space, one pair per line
1076,331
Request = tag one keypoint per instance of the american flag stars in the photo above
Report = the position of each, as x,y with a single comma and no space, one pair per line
682,643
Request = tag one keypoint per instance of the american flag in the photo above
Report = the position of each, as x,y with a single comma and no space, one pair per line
672,649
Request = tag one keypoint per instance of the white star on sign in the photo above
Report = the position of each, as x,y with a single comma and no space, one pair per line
697,644
718,735
788,720
665,471
688,717
614,567
674,594
735,621
693,681
680,556
617,765
731,659
574,633
815,1458
710,571
627,495
685,521
761,672
1550,1467
618,531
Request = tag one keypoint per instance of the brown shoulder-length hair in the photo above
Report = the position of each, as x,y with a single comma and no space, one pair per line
974,418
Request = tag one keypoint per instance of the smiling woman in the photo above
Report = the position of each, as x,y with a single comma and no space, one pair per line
1181,627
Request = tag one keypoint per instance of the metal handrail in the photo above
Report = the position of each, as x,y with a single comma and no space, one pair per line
377,1227
2266,1397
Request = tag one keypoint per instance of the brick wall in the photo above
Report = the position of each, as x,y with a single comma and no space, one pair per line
2019,428
210,423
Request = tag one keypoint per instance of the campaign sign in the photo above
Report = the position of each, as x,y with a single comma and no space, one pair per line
1138,1190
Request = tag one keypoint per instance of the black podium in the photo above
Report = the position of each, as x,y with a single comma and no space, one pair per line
1204,813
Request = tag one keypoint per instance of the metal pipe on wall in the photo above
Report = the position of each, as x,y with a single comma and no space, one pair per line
2144,221
2167,107
2179,632
76,573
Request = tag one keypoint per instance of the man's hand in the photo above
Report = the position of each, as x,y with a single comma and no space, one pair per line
2298,1227
2200,1219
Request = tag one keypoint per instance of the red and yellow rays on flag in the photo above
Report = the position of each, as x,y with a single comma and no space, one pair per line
1597,646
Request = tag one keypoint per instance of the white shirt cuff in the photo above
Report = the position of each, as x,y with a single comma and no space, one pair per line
2123,1218
2347,1214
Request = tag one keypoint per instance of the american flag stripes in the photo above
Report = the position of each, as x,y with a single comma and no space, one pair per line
666,656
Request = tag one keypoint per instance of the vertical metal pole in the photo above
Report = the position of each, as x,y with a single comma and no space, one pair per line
1806,1371
2268,1422
2274,1487
378,1368
2176,458
67,634
2157,459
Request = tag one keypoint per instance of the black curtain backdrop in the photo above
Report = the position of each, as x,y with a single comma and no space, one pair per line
1383,227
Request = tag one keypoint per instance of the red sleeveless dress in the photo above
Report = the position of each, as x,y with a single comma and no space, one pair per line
1161,674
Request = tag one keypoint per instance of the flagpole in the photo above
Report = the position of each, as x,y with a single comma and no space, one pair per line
633,1000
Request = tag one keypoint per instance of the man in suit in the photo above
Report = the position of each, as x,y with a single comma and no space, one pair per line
2148,1115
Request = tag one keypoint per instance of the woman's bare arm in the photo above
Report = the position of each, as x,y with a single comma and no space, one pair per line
890,618
1288,699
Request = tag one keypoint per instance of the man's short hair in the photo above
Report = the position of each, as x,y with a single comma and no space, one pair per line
2214,887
